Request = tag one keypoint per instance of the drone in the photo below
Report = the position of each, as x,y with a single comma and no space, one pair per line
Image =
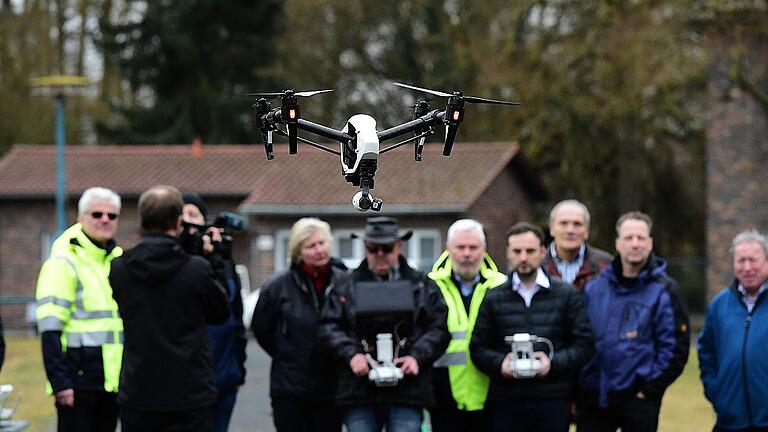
359,141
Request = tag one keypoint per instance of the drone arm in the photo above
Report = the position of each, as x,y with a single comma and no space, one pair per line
402,143
324,131
308,142
429,119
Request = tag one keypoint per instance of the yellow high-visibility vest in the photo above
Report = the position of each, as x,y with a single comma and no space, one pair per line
469,385
74,297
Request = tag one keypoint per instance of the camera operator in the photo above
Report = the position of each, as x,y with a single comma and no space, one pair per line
166,297
364,405
227,340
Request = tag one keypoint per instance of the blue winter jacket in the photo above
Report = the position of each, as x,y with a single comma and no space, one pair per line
641,332
227,340
734,360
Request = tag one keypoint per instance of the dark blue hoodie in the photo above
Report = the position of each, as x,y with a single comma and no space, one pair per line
641,334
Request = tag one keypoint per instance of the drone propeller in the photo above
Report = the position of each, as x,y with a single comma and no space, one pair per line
289,112
273,95
471,99
454,111
430,91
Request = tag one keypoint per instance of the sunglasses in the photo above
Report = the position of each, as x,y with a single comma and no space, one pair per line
374,249
99,215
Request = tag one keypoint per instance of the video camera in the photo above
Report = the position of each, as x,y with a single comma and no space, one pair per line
192,236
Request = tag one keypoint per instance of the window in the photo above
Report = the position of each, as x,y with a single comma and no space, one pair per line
281,249
46,241
422,250
349,250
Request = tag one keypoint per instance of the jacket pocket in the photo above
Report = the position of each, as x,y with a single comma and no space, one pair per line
633,325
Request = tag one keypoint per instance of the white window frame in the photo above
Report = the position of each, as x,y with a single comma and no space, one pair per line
358,249
282,236
412,249
413,245
46,241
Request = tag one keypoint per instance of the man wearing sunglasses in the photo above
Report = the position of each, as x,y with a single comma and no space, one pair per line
81,330
364,406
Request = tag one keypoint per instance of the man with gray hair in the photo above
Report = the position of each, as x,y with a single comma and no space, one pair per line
569,257
464,273
732,359
81,330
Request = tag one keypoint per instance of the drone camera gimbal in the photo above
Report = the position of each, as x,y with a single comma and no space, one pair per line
360,141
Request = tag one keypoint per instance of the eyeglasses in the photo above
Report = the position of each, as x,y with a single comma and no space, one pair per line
374,249
99,215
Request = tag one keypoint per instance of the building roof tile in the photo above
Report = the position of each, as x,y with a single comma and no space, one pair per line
309,178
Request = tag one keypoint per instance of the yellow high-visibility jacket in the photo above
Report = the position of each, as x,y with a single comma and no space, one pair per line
74,297
469,386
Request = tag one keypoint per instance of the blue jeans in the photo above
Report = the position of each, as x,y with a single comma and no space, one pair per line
222,411
372,418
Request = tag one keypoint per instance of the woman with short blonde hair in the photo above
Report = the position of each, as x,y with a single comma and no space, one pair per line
303,229
302,381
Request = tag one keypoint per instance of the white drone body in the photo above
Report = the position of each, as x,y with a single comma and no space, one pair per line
363,128
359,140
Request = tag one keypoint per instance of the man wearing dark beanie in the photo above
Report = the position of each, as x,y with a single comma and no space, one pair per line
227,340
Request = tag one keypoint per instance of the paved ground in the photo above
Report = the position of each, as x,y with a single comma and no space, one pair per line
253,411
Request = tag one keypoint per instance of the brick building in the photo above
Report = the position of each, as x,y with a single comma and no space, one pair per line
486,181
737,163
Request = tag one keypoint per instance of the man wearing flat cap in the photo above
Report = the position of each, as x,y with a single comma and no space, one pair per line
364,406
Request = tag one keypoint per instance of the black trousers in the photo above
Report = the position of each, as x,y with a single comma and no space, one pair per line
452,419
530,415
94,411
634,415
295,415
191,420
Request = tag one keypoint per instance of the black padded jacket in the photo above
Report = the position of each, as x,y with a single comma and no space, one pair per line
556,313
285,325
166,297
428,341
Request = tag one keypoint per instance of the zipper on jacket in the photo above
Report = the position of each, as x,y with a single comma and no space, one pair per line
309,290
744,366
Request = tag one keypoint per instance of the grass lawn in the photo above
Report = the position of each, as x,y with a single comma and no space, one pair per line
684,407
23,368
